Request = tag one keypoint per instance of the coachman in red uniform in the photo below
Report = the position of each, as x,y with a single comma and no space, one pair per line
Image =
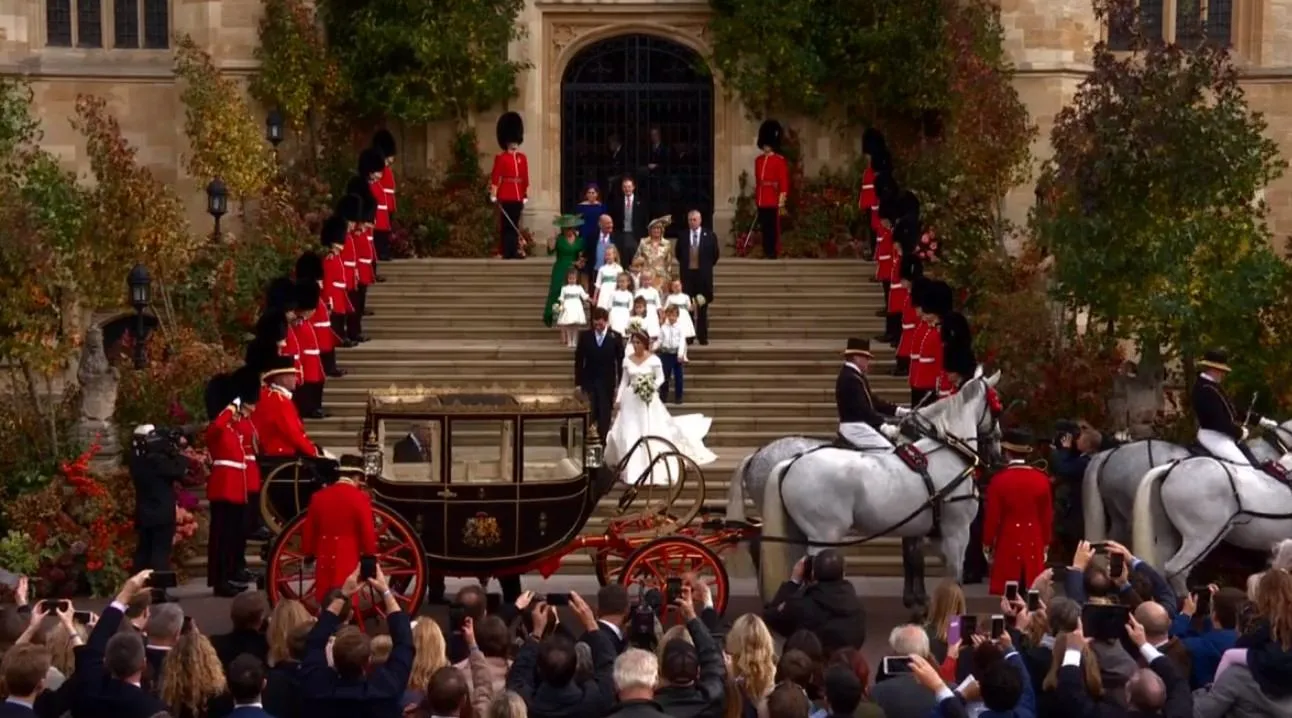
509,182
309,268
278,424
771,186
1019,516
230,399
339,526
335,296
384,142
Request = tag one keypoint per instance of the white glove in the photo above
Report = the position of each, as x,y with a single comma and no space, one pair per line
525,201
901,410
890,431
1244,436
1268,423
493,199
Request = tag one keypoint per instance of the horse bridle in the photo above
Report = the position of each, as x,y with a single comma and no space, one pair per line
967,447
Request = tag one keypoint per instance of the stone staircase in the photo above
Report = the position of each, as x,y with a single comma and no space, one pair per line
776,328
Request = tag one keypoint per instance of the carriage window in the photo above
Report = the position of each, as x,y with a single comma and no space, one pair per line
553,449
482,450
411,450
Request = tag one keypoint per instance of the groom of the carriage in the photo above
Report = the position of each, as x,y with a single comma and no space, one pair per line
1220,430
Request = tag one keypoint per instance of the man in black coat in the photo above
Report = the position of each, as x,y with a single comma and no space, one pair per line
1158,690
110,667
598,359
413,448
828,606
543,670
691,673
1221,431
630,214
155,465
697,254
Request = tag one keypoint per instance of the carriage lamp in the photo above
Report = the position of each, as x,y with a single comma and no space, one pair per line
140,285
217,203
274,128
372,462
593,452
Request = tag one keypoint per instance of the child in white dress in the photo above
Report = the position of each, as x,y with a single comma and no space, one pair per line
607,279
621,303
641,316
570,315
681,300
654,303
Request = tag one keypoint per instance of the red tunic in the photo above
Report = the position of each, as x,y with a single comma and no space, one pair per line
339,529
772,175
382,220
896,292
311,357
250,448
509,178
910,319
291,347
279,425
350,260
228,479
333,289
884,253
322,327
868,199
388,188
1016,527
365,252
917,340
926,371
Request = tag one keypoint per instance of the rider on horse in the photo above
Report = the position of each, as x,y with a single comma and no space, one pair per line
862,422
1220,430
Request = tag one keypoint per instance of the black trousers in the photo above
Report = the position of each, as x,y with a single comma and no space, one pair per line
340,324
354,320
154,547
888,287
510,235
381,242
769,221
226,547
975,564
602,399
308,397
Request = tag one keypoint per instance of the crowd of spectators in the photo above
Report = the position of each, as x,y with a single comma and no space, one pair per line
1215,653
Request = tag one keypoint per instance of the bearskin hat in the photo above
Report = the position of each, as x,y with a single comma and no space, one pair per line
246,384
510,130
371,162
937,298
890,198
309,266
910,267
957,344
384,142
261,353
882,164
359,188
333,232
918,284
271,327
280,295
872,142
769,135
307,293
350,206
220,391
909,204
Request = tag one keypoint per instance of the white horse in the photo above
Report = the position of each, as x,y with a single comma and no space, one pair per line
1184,509
816,499
1113,476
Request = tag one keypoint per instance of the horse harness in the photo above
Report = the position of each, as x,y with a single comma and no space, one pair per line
1233,486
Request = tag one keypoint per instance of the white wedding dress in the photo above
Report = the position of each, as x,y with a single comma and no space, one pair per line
638,418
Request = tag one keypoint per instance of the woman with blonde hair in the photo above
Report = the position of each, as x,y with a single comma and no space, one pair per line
192,681
753,660
1047,702
286,617
507,705
62,641
947,605
430,654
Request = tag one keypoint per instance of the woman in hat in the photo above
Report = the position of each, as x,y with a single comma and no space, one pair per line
567,245
641,413
657,252
1019,516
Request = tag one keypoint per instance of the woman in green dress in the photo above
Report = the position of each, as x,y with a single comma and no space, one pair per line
567,246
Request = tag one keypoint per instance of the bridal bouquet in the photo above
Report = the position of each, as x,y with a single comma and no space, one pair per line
644,387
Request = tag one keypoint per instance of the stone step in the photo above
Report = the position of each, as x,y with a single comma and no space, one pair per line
562,379
347,409
457,291
833,308
790,418
348,395
763,353
718,438
543,265
432,329
410,316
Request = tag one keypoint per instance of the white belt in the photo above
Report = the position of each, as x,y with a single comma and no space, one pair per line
904,326
365,261
926,360
868,186
340,285
323,325
312,352
350,264
381,206
250,458
229,464
388,190
885,256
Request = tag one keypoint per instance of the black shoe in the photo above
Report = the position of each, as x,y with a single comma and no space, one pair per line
359,339
336,373
348,344
678,400
228,590
260,534
367,312
704,342
381,279
972,578
316,414
244,576
901,371
885,338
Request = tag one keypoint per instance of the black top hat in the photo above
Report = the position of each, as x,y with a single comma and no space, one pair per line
280,295
769,135
1217,359
219,394
246,385
510,130
350,207
1017,441
859,347
384,142
307,294
371,162
309,266
333,232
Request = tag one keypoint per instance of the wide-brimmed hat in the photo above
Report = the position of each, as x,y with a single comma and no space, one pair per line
1018,441
858,346
664,221
568,221
277,366
1217,359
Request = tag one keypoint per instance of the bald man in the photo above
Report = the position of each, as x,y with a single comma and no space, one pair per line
1159,690
1156,621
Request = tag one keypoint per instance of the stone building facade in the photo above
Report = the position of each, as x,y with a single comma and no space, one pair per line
116,48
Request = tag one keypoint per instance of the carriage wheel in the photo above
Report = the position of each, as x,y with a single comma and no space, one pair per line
607,564
399,553
289,472
672,556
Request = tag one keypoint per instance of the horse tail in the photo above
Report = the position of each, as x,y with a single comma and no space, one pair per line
1092,504
776,557
736,491
1148,504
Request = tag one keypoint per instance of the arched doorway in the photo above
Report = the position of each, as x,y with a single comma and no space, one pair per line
625,88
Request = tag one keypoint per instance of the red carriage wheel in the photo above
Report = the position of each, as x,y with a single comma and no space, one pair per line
607,564
399,553
672,556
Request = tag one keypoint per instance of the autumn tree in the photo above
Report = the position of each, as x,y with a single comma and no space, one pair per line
1149,204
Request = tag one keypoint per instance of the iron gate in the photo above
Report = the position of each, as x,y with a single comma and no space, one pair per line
623,88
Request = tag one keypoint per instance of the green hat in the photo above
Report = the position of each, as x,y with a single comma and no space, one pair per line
568,221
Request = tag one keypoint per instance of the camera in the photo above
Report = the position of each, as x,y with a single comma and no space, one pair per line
149,439
1064,429
642,620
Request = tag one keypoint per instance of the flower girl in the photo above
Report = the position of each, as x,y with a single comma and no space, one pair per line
681,300
640,319
621,303
648,293
607,279
570,314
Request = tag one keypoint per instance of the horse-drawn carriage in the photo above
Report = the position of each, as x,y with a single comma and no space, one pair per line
492,483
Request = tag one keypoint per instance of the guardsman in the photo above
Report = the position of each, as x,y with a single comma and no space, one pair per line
1019,516
927,372
861,413
881,225
361,238
226,487
875,149
246,382
309,268
1221,431
307,336
509,181
333,238
384,142
339,525
278,424
771,186
279,318
958,359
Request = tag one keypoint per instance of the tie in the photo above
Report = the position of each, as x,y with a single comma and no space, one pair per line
605,238
599,338
695,238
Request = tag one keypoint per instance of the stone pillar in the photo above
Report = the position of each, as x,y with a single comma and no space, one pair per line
99,382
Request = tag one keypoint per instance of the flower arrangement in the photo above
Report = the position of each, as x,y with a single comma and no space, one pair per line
643,385
185,525
927,249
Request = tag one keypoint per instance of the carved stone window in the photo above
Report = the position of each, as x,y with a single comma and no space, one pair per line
1186,22
132,24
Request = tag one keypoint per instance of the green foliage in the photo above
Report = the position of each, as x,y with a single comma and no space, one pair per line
424,62
298,74
447,213
16,553
1148,204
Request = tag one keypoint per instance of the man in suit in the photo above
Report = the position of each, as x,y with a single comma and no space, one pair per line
613,607
657,170
604,240
413,448
630,215
697,254
1156,621
110,667
598,359
25,667
613,162
165,623
1158,690
246,679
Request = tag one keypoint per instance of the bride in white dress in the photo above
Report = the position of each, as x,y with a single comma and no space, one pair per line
643,374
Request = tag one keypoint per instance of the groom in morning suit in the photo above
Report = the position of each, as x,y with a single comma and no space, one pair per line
598,359
697,253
